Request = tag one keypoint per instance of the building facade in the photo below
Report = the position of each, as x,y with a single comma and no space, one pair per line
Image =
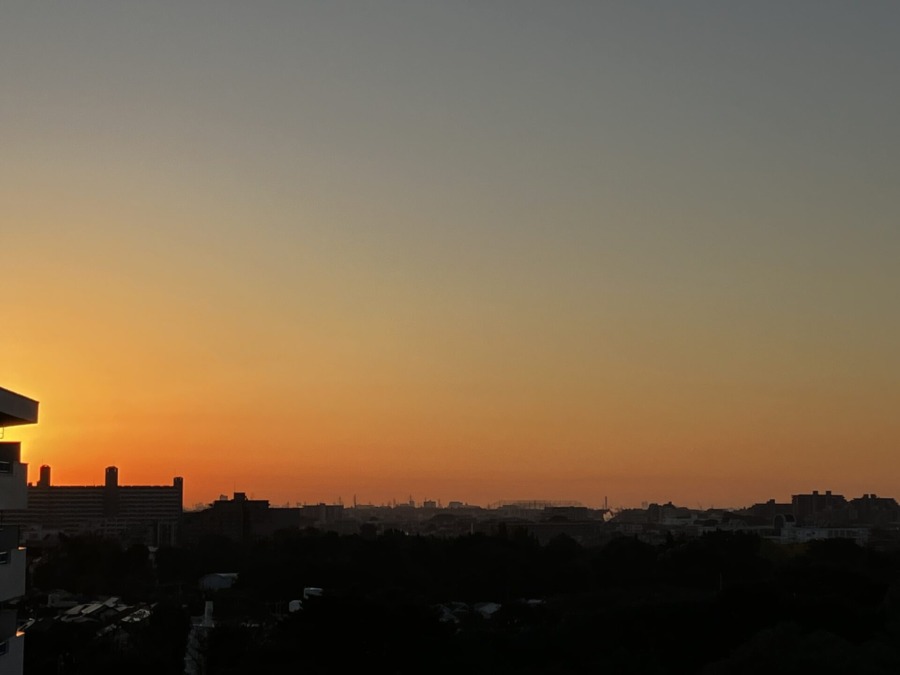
242,519
15,409
819,509
132,513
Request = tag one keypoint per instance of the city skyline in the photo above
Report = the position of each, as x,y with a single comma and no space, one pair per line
550,251
414,498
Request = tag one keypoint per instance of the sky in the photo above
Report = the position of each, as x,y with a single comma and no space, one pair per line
643,251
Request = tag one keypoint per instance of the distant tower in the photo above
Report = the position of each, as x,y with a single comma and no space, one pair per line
44,480
111,493
178,484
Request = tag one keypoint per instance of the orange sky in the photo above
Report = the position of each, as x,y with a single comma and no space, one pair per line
553,253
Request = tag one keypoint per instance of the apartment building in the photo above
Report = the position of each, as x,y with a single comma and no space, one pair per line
15,409
147,513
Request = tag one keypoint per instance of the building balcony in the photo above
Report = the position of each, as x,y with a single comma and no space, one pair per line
16,409
12,573
13,478
12,654
12,644
9,537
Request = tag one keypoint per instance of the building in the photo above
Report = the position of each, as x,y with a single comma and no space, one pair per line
770,509
819,509
15,409
238,519
146,513
788,533
871,509
242,519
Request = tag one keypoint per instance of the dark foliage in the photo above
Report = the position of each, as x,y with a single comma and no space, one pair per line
724,602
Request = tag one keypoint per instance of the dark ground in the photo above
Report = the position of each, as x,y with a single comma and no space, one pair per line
722,603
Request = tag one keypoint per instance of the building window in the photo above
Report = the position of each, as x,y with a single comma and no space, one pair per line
4,557
5,467
4,647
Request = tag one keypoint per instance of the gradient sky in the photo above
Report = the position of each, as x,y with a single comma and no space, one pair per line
456,250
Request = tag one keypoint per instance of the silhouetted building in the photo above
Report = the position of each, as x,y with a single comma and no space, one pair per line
242,519
321,515
770,509
147,513
239,519
819,509
669,514
15,409
873,510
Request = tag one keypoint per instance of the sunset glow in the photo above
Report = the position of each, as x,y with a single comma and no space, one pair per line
448,251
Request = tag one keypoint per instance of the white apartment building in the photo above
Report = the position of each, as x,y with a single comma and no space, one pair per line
15,409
